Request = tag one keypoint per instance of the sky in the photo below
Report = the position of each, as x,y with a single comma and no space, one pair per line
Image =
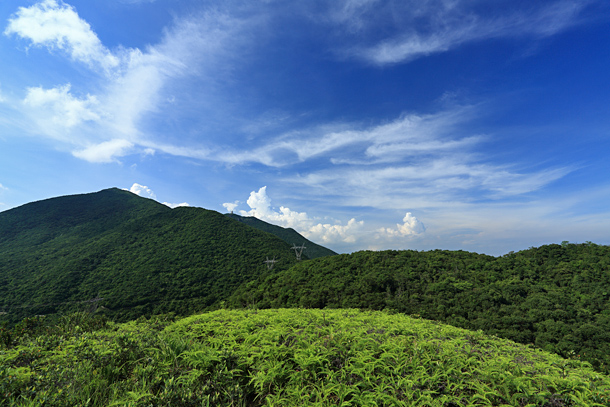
478,125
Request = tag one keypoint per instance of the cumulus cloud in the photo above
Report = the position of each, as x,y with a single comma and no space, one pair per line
330,233
260,207
57,25
142,190
410,226
105,152
146,192
230,206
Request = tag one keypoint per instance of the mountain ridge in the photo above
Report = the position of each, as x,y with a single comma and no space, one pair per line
289,235
140,256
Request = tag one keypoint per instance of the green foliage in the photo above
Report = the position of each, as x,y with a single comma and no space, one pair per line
289,235
290,357
555,297
124,256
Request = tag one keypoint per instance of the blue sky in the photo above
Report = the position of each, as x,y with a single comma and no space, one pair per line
363,124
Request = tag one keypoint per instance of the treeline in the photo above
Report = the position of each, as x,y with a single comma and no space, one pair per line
554,297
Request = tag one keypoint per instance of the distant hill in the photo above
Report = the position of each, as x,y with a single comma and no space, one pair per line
556,297
289,235
140,256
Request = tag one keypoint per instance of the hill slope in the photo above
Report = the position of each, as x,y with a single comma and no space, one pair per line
289,235
555,296
287,358
141,257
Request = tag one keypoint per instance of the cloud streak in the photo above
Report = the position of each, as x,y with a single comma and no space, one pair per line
132,81
439,26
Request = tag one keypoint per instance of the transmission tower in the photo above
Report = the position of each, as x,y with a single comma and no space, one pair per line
298,250
270,263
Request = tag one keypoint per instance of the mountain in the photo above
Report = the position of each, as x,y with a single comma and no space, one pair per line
289,235
125,255
556,297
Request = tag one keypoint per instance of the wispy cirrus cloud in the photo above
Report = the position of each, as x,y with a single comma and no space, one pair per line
60,107
108,122
104,152
417,29
408,135
429,159
134,84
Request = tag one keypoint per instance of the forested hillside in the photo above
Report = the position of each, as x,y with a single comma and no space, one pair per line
289,235
123,256
126,256
554,296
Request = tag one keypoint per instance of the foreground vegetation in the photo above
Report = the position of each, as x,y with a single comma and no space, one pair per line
284,357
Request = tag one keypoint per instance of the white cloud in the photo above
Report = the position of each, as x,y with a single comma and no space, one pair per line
105,152
59,107
408,135
327,233
134,80
419,159
142,190
410,226
335,233
416,29
146,192
57,25
260,207
230,206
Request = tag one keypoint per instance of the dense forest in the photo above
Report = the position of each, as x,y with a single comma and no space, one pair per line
554,296
125,256
289,235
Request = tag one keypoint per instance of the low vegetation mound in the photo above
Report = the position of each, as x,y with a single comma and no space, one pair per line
285,357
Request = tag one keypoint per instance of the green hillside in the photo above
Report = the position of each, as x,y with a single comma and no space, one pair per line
289,235
64,220
126,256
286,358
555,296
